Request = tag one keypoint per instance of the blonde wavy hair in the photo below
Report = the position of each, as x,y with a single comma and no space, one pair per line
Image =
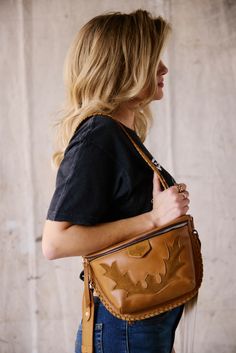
111,60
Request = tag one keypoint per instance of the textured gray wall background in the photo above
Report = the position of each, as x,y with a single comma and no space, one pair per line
193,136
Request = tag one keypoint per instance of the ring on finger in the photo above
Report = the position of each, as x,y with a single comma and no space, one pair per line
180,187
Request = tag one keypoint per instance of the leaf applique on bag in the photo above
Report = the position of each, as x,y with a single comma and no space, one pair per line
152,286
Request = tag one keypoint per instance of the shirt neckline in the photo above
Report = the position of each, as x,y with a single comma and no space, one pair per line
119,122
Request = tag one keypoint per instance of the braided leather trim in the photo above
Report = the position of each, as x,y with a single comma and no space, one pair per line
151,313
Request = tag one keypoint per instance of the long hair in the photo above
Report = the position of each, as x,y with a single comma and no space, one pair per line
111,60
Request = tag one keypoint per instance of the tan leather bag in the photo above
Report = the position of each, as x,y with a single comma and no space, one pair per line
152,273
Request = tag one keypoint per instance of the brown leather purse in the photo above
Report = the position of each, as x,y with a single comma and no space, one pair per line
149,274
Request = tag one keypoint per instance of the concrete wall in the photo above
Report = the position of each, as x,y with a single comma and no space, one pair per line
193,137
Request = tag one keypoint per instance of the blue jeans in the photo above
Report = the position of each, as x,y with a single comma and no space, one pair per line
112,335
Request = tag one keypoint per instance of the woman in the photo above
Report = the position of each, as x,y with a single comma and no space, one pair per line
105,192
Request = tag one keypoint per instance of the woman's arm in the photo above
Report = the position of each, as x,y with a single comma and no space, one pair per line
63,239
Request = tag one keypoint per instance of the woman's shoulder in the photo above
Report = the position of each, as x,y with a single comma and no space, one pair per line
100,131
105,129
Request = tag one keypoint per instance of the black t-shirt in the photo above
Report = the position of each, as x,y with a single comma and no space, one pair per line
102,177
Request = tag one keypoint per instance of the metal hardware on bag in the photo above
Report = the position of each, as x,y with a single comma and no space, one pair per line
87,264
91,286
195,232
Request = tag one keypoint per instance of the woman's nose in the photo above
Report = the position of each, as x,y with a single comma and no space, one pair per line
162,69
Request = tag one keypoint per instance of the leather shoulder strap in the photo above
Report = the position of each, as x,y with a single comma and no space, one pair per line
144,156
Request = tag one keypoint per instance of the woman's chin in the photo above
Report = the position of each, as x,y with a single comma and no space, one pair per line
159,95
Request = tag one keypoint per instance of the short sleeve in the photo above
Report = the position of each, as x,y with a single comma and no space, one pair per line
85,185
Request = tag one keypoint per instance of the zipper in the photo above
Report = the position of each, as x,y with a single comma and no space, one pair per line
132,242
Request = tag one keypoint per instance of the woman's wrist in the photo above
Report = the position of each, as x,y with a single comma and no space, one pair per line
151,219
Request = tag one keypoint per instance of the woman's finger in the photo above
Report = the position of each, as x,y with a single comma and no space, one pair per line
181,185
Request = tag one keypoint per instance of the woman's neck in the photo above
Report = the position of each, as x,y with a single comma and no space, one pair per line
125,115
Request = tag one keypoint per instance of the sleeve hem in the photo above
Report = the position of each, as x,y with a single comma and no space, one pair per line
54,216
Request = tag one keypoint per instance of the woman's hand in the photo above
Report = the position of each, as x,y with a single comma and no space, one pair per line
168,204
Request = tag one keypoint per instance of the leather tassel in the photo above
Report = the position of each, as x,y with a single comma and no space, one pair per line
88,313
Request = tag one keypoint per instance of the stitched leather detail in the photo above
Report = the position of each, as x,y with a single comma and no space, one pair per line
139,250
